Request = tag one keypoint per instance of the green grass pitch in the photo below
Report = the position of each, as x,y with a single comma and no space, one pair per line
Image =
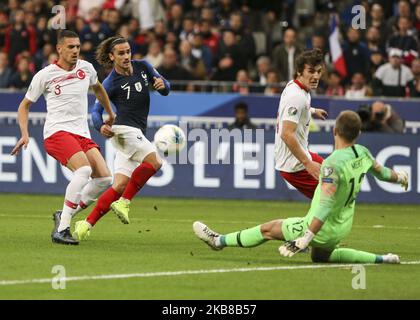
160,239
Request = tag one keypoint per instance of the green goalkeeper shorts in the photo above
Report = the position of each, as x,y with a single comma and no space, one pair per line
294,228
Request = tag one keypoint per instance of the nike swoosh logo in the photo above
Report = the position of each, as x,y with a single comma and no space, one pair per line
123,86
139,137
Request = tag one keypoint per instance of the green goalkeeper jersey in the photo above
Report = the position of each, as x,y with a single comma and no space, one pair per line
345,168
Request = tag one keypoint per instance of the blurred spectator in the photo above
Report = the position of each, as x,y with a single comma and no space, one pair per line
358,88
385,119
171,70
403,11
92,35
187,28
373,40
334,85
194,65
19,37
273,28
160,32
21,79
224,9
392,78
414,84
4,26
405,42
41,57
243,82
86,5
376,60
210,38
244,38
201,51
272,86
175,18
417,20
5,71
284,55
113,21
230,58
376,19
356,54
263,66
43,34
196,8
154,54
242,120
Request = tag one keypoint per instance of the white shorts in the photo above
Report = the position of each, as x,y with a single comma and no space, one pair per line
132,147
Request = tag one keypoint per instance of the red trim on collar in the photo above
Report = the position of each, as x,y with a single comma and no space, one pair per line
300,85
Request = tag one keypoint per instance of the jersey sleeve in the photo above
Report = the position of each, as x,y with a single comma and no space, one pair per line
36,88
293,105
98,110
152,72
330,176
93,75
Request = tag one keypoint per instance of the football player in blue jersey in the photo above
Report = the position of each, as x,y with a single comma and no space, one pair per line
136,158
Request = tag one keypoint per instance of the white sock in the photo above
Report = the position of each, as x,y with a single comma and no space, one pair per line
92,191
72,196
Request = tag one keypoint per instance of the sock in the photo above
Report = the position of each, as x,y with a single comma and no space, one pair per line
354,256
138,179
91,192
102,206
245,238
72,196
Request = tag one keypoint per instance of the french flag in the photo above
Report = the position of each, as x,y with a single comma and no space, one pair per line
335,49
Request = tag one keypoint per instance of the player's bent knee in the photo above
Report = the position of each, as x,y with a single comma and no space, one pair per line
320,256
119,186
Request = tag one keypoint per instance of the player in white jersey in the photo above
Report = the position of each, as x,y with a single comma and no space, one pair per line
297,165
65,86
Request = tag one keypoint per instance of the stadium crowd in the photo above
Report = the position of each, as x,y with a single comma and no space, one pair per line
252,44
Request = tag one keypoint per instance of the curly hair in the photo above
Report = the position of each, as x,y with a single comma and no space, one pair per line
105,48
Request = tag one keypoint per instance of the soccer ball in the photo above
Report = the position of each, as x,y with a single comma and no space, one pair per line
170,139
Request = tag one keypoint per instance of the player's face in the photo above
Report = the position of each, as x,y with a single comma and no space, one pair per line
69,50
121,55
310,76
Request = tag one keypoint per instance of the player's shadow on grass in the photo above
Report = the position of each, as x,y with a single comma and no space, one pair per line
261,262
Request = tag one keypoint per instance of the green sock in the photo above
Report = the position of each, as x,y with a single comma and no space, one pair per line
354,256
245,238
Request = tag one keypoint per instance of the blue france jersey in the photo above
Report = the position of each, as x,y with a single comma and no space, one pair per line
129,95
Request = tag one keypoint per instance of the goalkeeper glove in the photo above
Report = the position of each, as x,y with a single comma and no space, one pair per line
290,248
403,179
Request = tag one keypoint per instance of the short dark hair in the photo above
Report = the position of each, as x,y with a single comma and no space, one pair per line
311,57
348,125
241,106
66,34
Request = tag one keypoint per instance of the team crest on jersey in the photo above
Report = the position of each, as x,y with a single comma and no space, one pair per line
327,171
80,74
138,86
292,111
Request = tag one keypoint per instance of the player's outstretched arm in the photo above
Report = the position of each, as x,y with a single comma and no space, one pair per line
386,174
23,115
103,99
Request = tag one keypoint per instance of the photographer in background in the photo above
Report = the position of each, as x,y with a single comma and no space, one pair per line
380,117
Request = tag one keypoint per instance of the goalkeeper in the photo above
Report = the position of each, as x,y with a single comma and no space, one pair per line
330,217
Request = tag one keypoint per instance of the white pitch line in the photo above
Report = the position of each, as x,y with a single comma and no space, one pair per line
149,219
190,272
